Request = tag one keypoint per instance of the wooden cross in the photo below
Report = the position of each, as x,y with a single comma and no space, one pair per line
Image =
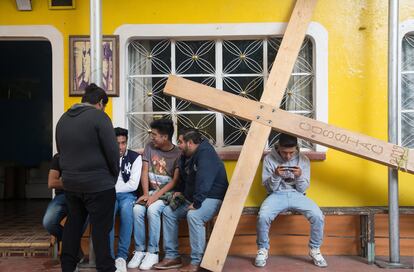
264,116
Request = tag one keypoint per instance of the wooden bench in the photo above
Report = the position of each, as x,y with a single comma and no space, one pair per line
367,223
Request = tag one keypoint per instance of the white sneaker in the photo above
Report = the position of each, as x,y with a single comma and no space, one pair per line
261,257
136,259
149,260
318,260
120,265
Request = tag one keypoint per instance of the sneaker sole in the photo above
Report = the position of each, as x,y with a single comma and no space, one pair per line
169,267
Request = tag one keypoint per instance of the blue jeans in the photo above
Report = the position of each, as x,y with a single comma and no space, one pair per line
153,212
281,201
123,204
55,212
196,220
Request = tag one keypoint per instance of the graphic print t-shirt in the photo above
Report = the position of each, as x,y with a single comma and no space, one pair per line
161,164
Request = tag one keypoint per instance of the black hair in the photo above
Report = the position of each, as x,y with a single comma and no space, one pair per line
121,132
191,134
164,126
94,94
285,140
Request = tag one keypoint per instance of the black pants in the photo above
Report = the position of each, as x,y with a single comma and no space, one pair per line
100,207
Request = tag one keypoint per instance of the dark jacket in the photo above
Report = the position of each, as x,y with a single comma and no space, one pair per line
89,154
203,175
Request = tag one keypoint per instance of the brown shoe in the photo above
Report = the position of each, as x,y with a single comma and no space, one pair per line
190,268
168,264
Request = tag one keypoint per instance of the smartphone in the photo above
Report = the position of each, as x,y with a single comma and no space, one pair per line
288,168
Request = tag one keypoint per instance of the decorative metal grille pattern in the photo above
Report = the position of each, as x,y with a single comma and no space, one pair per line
407,92
237,66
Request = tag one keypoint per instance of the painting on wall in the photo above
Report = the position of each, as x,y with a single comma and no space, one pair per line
80,64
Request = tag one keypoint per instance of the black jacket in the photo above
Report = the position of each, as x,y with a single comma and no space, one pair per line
89,154
203,175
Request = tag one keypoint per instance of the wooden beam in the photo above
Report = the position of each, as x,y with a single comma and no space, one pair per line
251,153
232,207
306,128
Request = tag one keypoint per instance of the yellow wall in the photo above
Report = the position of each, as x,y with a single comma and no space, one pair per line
357,73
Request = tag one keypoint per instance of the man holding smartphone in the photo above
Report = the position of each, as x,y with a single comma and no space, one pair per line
286,176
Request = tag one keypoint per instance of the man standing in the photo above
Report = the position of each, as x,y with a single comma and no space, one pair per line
89,159
286,176
128,180
159,176
203,184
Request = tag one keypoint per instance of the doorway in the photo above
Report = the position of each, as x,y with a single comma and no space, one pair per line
26,118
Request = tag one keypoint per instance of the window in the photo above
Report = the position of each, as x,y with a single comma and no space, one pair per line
407,92
217,56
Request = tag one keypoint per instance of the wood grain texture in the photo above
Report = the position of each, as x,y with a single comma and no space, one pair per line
223,232
306,128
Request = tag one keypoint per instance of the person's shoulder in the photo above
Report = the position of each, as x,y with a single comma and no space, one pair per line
269,156
303,157
176,150
206,149
148,146
133,153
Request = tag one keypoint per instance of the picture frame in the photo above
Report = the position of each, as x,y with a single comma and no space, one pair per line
61,4
80,60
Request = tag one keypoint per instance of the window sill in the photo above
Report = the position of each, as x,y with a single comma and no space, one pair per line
234,155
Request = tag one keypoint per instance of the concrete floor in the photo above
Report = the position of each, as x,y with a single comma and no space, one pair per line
233,263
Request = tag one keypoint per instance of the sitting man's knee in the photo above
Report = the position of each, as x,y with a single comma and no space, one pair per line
193,218
168,212
264,218
153,211
316,216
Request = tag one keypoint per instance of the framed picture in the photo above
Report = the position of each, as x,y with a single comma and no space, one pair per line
80,64
61,4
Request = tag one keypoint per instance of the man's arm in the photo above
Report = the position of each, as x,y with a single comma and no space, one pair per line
270,177
132,184
206,174
302,178
169,186
53,180
106,136
144,182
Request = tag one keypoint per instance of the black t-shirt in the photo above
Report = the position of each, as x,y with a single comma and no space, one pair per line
54,165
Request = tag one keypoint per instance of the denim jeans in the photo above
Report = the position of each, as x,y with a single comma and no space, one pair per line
153,212
55,212
196,220
281,201
123,205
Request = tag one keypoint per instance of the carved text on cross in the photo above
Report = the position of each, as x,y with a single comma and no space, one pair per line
300,126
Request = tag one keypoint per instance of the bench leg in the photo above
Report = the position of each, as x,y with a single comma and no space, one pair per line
371,238
363,235
367,237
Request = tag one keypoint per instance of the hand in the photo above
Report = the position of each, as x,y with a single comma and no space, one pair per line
142,199
151,200
176,194
297,171
191,207
280,171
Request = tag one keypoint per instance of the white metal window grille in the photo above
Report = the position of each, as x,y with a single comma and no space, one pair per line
407,92
236,66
